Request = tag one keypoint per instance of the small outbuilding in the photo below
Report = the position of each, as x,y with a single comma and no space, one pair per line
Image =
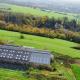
23,55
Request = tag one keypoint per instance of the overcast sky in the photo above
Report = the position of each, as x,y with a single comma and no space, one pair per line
69,0
50,1
73,1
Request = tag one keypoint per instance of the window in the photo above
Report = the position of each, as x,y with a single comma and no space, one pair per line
16,58
4,56
23,58
0,55
25,52
4,49
26,59
10,57
28,53
9,54
18,55
13,51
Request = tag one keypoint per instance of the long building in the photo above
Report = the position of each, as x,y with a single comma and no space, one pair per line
23,55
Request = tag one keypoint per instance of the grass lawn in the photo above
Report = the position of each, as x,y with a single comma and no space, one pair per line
76,71
6,74
37,11
66,72
55,45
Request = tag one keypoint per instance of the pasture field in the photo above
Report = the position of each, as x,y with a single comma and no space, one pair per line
37,11
53,45
66,72
7,74
76,71
56,46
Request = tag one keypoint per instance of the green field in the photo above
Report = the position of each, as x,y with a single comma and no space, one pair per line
37,11
67,72
6,74
56,46
76,71
53,45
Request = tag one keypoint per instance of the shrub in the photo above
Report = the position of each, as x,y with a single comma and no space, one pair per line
40,66
45,67
2,42
22,36
40,77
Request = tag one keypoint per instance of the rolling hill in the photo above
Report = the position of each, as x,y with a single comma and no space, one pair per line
36,11
56,46
53,45
71,6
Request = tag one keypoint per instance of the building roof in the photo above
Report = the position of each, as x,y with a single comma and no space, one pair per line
19,54
24,48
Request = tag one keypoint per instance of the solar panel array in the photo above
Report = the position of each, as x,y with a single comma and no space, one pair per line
16,53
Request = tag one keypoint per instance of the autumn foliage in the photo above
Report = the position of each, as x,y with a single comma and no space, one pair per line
41,26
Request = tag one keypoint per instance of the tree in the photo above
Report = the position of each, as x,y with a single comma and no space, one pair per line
22,36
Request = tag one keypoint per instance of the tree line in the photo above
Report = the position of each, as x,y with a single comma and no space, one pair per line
42,26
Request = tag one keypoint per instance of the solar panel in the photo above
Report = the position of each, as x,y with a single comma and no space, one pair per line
24,54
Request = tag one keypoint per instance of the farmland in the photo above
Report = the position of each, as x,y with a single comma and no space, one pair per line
76,70
37,11
53,45
6,74
56,46
67,72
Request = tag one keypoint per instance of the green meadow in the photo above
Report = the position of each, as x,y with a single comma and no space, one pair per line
76,71
7,74
37,11
57,46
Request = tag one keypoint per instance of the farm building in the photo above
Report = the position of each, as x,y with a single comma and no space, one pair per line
23,55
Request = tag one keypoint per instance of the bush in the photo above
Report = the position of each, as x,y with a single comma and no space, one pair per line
2,42
22,36
45,67
78,47
40,66
40,77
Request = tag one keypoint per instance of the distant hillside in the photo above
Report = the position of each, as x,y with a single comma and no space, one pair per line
37,11
55,5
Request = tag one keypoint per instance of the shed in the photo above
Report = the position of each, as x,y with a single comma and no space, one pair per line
23,55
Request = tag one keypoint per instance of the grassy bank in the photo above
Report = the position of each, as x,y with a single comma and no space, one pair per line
53,45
